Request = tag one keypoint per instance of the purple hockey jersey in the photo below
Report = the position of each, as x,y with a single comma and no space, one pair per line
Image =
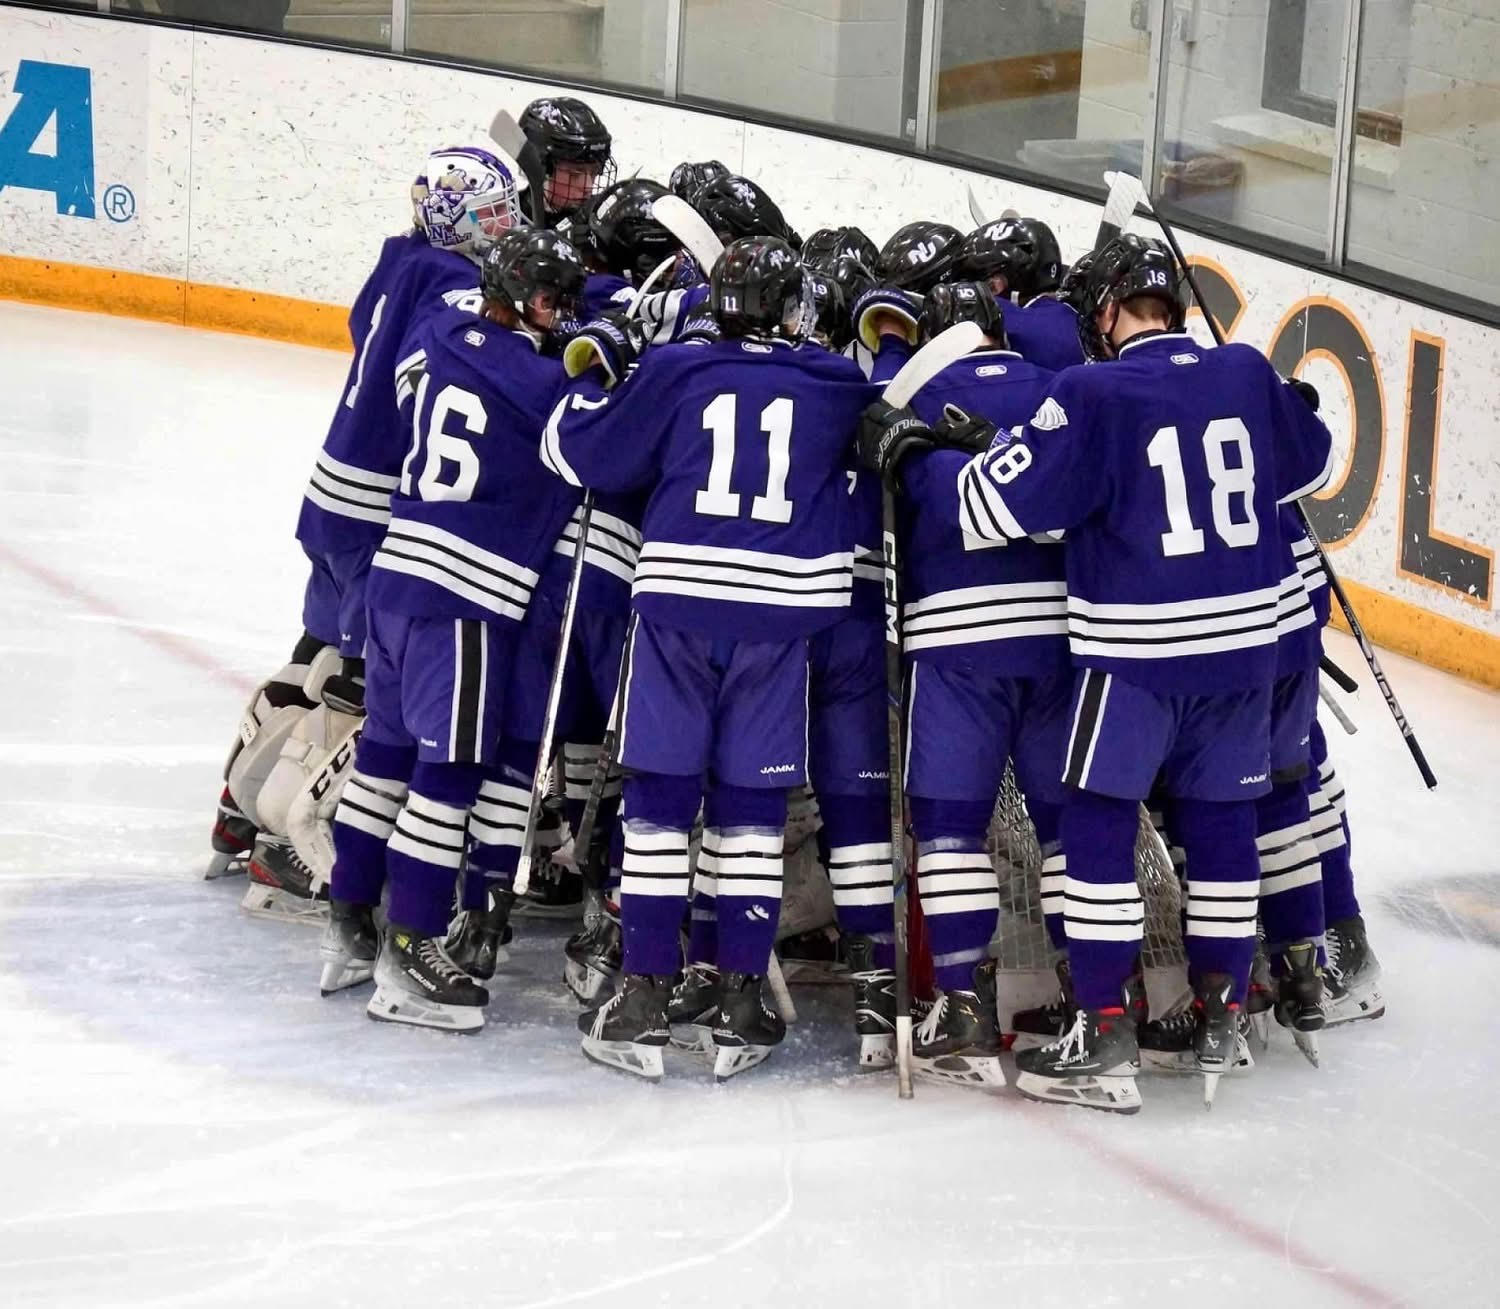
1044,331
1165,468
744,445
998,605
1303,607
475,516
347,501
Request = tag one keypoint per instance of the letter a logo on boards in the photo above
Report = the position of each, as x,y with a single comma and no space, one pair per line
51,91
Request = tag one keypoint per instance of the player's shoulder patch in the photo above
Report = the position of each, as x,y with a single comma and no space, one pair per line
1050,416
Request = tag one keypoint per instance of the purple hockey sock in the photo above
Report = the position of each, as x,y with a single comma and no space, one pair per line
426,850
659,813
1047,819
1102,905
366,817
1291,880
857,829
703,917
1223,884
956,880
1330,827
743,830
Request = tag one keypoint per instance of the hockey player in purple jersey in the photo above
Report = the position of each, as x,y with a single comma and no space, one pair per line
463,198
1165,468
575,150
474,518
745,444
984,631
1020,260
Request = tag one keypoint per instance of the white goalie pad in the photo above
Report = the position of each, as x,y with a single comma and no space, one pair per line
323,772
314,739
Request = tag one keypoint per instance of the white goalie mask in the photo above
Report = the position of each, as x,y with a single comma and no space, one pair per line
466,197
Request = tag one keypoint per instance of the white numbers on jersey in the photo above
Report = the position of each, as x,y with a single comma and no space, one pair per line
1010,463
364,353
1165,453
716,499
444,446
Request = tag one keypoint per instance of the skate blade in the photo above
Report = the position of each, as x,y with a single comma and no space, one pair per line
1186,1062
981,1071
1118,1095
391,1005
587,984
1210,1085
642,1061
877,1052
730,1060
261,901
1260,1024
222,864
1307,1043
695,1038
340,973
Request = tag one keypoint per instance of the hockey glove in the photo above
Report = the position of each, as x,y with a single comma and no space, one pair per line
700,329
887,435
1307,391
881,306
957,430
612,340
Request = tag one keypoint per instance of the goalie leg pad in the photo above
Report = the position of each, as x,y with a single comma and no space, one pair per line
318,770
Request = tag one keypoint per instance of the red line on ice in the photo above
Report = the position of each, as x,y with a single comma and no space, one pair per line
186,651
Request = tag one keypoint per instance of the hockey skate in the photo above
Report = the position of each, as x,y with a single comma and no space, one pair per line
1352,980
1299,995
282,887
477,938
1167,1043
1216,1035
958,1042
592,958
1261,998
1093,1064
1051,1020
874,1005
694,1008
232,838
350,943
555,890
416,983
747,1029
629,1029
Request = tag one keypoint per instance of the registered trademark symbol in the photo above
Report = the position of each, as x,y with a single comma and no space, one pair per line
119,204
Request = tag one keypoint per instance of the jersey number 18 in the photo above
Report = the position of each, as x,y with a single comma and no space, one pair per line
1235,524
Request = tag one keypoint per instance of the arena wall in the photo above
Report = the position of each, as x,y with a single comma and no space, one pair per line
243,185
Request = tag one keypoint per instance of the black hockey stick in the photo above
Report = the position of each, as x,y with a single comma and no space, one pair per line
1355,627
593,865
1338,676
507,134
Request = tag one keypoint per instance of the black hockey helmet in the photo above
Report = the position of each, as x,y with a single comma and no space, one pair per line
756,289
831,324
919,256
736,207
575,148
1128,267
1024,251
830,243
1075,280
962,302
689,178
623,230
531,262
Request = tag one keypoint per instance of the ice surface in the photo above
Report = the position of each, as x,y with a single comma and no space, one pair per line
184,1122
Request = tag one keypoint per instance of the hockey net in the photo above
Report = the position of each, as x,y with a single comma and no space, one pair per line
1022,949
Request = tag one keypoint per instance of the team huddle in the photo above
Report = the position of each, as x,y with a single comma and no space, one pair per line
611,506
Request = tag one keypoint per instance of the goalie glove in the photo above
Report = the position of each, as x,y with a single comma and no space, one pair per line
881,304
612,340
887,435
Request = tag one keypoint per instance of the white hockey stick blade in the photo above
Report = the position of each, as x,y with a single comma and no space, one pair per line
975,211
779,992
1125,193
687,225
1337,710
507,134
947,347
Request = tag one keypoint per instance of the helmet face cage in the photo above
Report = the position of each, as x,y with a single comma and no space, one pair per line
465,200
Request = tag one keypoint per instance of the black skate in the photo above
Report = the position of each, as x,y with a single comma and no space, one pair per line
477,938
1299,995
812,958
593,958
350,944
1093,1064
958,1041
1052,1019
416,983
1167,1043
1261,997
747,1029
232,838
282,887
1352,981
629,1029
694,1008
555,890
874,1004
1216,1035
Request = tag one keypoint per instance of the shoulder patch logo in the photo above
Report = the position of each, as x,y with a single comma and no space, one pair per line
1050,416
991,370
474,338
755,348
1185,359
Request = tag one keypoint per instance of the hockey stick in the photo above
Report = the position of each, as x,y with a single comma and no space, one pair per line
507,134
1344,721
1356,629
1125,192
688,226
1338,676
946,348
977,213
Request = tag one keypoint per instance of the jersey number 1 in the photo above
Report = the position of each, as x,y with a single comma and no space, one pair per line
1164,452
716,498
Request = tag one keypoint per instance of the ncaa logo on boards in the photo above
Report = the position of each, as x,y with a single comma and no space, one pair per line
58,97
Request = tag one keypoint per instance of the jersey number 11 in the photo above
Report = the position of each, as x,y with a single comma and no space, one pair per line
716,498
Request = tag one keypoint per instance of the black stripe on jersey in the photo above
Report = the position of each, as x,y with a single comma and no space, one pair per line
651,571
1085,725
470,689
939,629
387,547
704,570
1135,620
347,500
970,496
471,565
1268,625
322,470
